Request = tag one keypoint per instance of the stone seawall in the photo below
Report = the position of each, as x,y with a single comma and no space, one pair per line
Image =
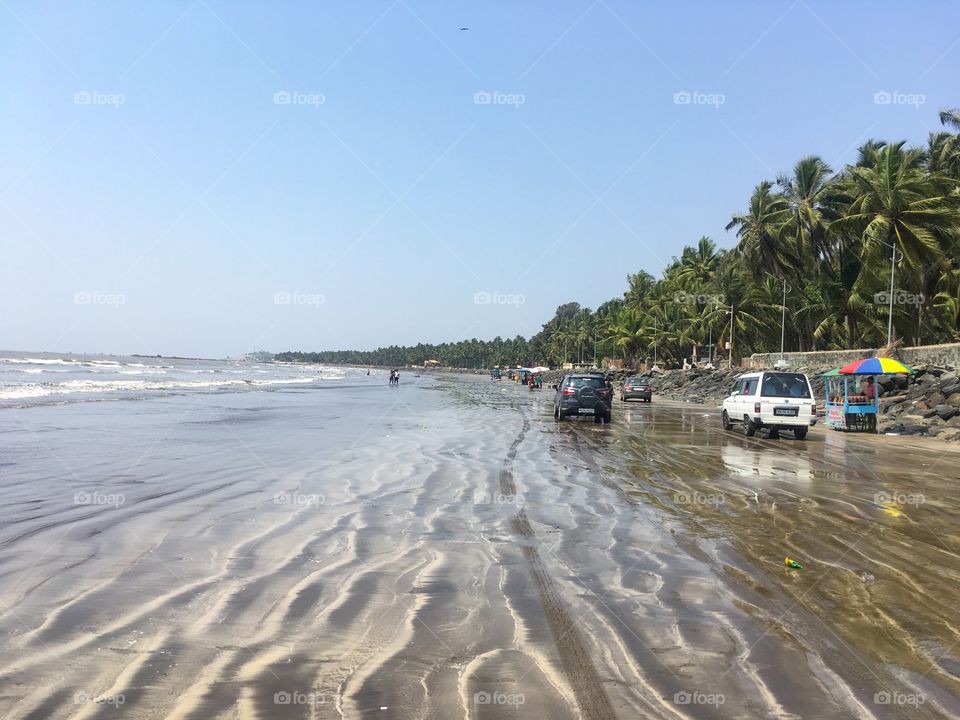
946,356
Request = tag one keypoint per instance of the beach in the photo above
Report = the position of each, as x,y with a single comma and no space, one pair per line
321,545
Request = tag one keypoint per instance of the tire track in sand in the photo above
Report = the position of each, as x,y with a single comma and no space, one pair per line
579,669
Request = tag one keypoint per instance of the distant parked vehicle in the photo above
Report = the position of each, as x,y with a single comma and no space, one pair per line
583,394
637,386
771,400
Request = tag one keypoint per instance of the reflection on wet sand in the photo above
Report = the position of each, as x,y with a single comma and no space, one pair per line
472,558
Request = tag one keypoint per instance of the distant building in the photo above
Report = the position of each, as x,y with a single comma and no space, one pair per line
258,356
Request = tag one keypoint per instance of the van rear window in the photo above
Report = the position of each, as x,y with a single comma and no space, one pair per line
792,385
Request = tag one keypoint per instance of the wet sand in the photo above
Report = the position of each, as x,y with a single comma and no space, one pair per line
446,550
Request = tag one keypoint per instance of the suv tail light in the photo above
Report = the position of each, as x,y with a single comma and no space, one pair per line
604,393
813,409
628,387
756,408
568,391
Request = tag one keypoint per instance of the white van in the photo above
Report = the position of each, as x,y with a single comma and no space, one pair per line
773,400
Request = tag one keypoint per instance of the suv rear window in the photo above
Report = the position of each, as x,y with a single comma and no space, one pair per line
792,385
581,382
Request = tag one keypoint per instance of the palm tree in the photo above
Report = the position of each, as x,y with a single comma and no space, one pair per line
897,207
896,204
944,147
809,194
698,265
759,232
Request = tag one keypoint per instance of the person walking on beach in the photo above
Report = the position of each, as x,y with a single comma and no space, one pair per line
396,377
393,374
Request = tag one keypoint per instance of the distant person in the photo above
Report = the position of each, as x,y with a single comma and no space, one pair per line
870,390
396,378
392,374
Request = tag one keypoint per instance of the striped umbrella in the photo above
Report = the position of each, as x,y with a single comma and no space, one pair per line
876,366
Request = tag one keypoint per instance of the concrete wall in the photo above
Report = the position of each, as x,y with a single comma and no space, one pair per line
942,355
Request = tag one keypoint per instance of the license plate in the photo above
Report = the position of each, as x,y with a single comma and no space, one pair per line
586,411
789,412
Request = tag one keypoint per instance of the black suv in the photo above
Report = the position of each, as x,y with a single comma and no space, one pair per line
583,394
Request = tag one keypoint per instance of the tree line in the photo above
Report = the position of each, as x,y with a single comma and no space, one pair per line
815,248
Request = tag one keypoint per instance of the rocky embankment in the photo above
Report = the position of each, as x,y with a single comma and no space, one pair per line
926,403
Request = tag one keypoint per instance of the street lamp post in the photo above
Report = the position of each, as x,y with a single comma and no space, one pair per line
730,358
783,319
893,271
654,341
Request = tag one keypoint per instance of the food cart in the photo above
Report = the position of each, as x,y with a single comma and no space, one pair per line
847,407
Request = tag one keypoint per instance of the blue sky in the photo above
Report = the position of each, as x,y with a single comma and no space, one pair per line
206,178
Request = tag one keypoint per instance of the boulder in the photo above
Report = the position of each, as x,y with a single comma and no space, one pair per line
929,413
949,434
954,399
945,412
949,388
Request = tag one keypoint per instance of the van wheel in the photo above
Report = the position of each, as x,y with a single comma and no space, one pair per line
725,419
749,429
800,433
557,415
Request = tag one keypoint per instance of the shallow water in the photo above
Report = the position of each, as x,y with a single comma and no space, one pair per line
445,549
